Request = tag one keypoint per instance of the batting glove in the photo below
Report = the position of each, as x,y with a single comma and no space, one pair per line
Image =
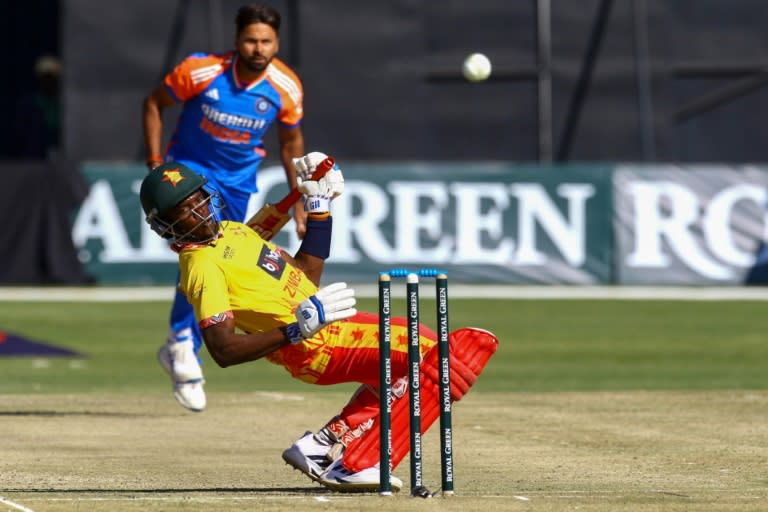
319,194
305,165
330,304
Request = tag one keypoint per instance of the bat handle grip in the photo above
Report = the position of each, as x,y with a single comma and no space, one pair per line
322,168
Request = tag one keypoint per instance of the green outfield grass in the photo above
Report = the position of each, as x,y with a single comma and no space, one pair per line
594,406
546,345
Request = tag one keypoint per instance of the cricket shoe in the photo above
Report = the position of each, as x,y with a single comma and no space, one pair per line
180,362
340,479
309,455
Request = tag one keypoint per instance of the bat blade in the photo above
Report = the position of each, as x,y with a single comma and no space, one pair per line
269,221
270,218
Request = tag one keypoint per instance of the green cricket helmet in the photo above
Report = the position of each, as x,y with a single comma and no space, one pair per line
165,187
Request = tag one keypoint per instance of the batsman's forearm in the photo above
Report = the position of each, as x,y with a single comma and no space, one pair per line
237,348
315,248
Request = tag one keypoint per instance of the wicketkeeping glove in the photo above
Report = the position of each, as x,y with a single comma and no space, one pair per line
330,304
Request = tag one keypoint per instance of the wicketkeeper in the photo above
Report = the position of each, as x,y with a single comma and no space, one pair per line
234,279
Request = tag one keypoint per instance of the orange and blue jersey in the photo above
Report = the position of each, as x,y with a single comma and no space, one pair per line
223,121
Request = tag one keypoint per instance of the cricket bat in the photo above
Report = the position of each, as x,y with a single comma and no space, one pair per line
272,217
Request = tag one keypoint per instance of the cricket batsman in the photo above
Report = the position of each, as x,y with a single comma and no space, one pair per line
252,300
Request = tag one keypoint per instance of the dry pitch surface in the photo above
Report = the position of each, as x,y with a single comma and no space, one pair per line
642,451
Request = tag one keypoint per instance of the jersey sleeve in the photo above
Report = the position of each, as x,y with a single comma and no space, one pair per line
205,286
291,93
192,75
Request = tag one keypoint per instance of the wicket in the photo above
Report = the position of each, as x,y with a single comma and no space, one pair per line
414,359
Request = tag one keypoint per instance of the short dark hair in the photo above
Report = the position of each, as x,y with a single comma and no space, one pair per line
257,13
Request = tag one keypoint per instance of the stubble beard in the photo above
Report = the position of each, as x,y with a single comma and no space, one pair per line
254,67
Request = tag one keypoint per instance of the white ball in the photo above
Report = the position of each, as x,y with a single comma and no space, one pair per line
476,67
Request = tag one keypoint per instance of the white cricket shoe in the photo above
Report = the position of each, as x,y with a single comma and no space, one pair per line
340,479
180,362
309,455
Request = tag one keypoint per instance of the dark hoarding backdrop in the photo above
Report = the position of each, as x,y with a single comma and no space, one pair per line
633,80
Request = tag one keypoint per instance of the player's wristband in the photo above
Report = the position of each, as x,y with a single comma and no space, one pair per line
317,204
317,240
293,333
154,161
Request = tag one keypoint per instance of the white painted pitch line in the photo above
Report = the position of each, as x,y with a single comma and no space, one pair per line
280,397
573,494
524,292
15,505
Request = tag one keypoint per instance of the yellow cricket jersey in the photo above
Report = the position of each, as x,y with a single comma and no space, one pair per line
245,275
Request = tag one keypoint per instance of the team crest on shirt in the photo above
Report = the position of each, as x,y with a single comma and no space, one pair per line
262,106
271,262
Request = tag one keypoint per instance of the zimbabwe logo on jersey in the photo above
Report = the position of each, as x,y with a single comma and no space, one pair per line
271,262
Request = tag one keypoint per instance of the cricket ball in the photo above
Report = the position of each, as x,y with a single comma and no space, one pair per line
476,68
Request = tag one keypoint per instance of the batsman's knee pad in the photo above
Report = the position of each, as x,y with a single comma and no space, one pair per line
473,347
470,350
